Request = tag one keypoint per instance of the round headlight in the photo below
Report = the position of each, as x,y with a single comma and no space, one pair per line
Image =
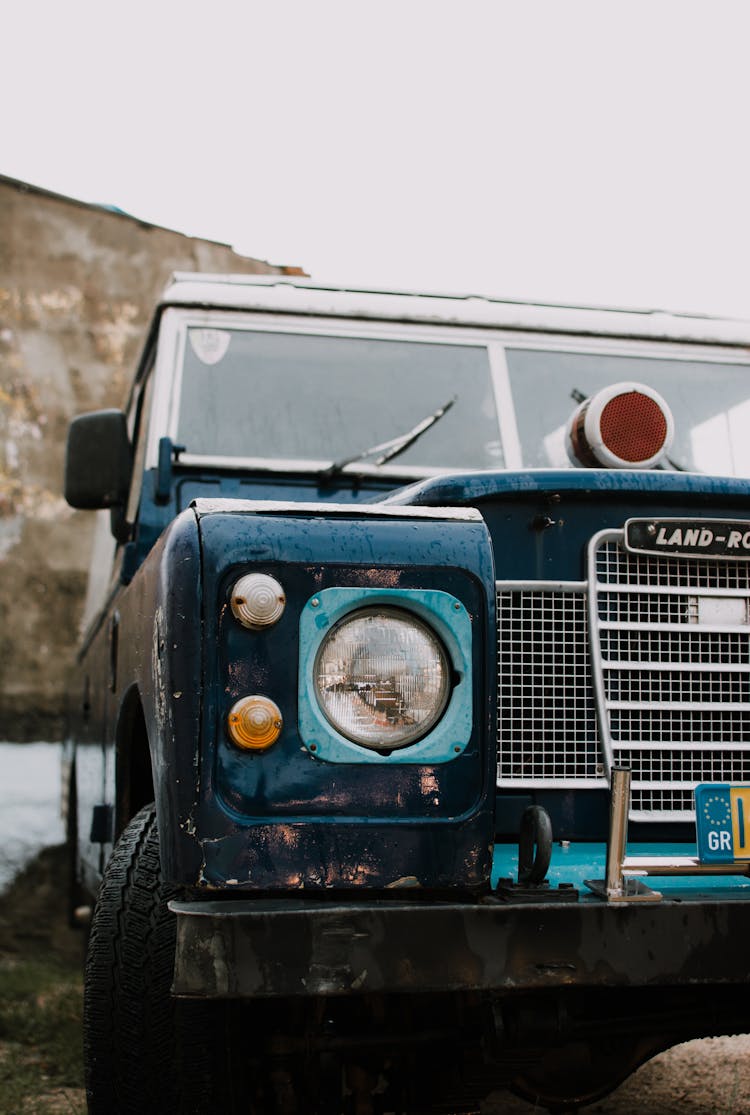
382,678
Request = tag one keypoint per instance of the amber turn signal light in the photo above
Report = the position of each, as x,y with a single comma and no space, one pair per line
254,723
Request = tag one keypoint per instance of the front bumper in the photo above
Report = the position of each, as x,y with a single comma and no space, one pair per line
298,947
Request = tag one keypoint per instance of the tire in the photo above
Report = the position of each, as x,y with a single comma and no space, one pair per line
144,1052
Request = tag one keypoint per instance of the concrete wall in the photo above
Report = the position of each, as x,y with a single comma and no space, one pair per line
77,287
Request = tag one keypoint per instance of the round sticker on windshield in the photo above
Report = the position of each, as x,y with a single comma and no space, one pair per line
209,345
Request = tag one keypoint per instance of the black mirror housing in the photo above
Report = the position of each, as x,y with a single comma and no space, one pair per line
98,460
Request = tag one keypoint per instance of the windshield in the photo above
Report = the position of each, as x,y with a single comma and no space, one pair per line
710,402
301,397
316,400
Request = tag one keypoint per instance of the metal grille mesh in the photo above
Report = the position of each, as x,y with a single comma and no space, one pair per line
614,565
675,687
686,766
666,804
546,714
672,685
675,646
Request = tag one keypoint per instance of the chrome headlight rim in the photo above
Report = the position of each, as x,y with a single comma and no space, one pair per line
417,625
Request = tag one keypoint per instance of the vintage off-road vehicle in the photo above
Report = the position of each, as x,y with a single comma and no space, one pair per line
417,627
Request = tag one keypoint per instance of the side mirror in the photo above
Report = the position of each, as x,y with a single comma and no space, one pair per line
98,461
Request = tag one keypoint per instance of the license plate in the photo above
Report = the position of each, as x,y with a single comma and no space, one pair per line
722,822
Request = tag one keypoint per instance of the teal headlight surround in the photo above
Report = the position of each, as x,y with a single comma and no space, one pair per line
450,621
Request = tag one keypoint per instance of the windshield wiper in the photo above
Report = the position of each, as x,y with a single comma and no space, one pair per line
392,448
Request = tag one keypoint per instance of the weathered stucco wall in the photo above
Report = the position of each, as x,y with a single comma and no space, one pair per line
77,288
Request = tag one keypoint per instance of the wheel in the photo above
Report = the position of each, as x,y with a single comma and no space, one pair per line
144,1052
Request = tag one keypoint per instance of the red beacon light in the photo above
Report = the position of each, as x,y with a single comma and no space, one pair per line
627,425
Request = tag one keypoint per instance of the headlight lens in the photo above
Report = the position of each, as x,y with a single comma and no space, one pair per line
382,678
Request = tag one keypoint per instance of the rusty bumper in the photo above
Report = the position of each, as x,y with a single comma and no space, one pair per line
292,947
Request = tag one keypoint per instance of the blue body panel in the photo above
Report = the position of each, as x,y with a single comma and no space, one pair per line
474,487
285,818
187,485
542,521
580,861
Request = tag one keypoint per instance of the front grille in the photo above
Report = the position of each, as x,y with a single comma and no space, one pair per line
672,656
671,684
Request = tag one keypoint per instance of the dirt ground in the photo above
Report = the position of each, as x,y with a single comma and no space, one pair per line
41,992
709,1077
40,995
33,916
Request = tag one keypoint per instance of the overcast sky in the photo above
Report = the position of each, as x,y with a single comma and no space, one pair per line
593,152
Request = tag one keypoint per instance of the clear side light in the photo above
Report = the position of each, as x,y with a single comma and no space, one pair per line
258,601
382,678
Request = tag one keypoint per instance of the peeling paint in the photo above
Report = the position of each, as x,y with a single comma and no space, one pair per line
428,784
288,835
157,667
405,881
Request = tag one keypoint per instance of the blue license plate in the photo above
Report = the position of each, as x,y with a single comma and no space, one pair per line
722,822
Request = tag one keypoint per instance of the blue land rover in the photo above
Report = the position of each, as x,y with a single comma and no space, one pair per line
410,745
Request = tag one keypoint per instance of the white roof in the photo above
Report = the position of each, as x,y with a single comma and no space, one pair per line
292,295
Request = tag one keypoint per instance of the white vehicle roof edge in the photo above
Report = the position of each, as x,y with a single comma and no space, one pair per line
283,294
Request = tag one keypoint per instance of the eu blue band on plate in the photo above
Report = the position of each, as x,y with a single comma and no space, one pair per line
722,821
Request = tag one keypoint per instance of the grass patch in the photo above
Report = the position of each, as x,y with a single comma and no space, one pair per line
41,1061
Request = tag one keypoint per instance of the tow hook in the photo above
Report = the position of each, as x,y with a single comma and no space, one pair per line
534,855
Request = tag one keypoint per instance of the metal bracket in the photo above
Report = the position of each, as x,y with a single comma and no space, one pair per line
509,891
616,887
631,890
622,883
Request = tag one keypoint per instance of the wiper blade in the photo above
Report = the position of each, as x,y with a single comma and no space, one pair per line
394,446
